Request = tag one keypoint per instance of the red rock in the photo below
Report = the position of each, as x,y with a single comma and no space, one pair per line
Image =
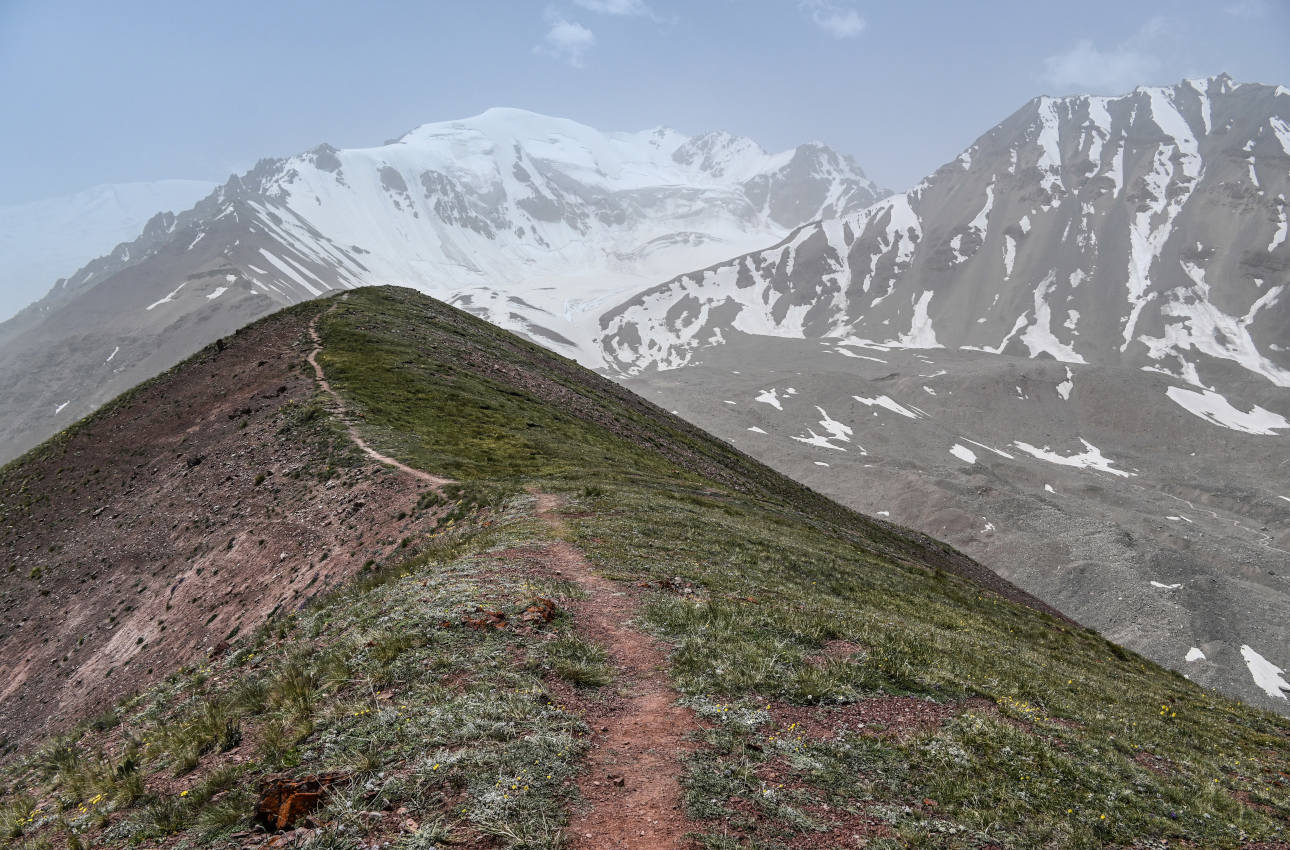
284,801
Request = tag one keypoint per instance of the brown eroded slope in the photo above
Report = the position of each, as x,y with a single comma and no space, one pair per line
186,512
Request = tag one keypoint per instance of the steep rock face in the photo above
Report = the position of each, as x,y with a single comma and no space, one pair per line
527,220
1146,230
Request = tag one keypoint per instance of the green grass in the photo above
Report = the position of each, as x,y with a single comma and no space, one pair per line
1054,750
433,717
1047,734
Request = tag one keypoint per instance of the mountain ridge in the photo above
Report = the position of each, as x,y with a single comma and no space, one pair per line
914,260
609,581
50,239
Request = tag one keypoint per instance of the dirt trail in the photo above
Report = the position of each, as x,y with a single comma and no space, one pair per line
638,738
433,480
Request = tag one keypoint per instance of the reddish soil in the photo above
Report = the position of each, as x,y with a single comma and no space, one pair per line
190,510
834,650
631,784
895,716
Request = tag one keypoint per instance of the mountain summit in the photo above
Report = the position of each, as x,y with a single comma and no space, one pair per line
528,220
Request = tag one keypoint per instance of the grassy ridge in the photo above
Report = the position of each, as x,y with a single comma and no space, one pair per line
1039,733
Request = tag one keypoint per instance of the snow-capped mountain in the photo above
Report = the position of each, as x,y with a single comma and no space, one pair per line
1148,230
527,220
45,240
1066,352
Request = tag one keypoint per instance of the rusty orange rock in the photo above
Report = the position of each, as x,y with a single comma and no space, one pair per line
283,802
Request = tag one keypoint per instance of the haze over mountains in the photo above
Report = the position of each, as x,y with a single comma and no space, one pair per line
1088,301
45,240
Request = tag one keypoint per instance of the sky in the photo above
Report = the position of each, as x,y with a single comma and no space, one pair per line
130,90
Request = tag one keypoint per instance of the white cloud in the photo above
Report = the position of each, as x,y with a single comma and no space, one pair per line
1090,69
567,41
615,7
1247,8
837,19
1111,71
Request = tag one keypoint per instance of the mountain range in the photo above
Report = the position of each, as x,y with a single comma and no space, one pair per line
531,220
1065,351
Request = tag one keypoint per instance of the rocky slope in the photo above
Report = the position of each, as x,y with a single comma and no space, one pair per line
188,511
1147,230
1084,485
528,220
1066,351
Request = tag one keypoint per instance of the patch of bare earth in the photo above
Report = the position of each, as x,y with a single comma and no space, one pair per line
631,785
886,716
191,512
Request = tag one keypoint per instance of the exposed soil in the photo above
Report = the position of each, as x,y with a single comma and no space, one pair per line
631,784
894,716
194,509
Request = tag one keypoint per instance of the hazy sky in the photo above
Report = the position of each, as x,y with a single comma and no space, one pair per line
97,92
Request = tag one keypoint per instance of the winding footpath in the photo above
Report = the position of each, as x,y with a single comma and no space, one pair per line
434,481
631,786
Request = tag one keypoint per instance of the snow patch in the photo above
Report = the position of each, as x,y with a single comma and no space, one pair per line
290,272
834,431
1091,458
1165,586
169,297
890,404
217,293
770,397
921,333
1280,235
114,353
1266,674
837,430
1194,654
963,453
59,409
999,452
1217,410
756,430
1065,387
1038,337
